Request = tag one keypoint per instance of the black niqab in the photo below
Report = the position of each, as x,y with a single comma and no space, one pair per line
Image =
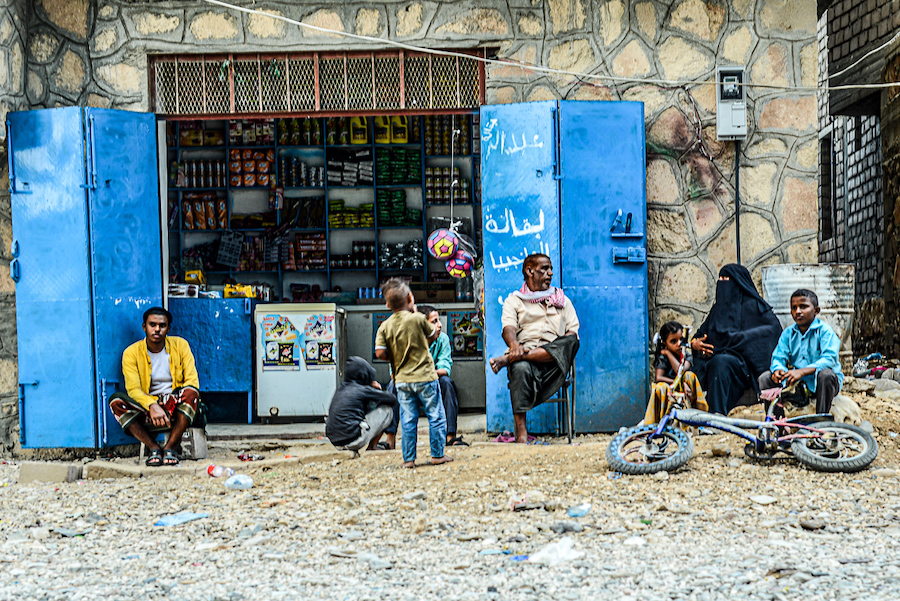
352,400
740,323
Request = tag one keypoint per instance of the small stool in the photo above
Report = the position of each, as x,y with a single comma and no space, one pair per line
193,444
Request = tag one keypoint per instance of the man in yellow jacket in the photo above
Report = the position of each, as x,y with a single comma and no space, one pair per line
162,388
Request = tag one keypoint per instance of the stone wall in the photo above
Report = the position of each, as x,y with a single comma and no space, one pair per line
95,52
13,19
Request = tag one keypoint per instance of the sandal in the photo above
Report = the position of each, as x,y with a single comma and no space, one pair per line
155,459
383,446
171,458
457,441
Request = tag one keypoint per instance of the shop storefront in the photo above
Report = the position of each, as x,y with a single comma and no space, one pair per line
312,178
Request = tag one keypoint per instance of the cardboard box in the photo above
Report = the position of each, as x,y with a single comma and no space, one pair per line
435,292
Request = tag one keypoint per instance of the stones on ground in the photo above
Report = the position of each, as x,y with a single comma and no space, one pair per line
763,499
720,449
811,524
634,541
415,495
419,524
884,472
661,475
566,526
867,426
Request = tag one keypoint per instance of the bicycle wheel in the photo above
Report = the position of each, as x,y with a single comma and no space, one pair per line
843,448
637,451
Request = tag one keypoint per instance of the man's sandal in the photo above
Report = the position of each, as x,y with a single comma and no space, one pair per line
171,458
155,459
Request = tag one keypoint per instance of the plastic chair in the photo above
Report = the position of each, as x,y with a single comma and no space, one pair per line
566,405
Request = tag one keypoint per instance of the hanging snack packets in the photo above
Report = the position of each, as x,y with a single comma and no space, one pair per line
222,210
199,214
210,205
188,212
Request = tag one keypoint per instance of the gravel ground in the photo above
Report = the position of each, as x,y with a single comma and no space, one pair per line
368,529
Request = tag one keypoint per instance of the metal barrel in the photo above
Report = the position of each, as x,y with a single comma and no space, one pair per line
832,283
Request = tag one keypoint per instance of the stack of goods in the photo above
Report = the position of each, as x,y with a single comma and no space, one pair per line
204,212
250,168
192,134
307,253
306,212
438,183
402,255
300,132
337,131
439,138
340,216
296,173
362,257
348,167
393,212
251,132
253,255
304,293
398,166
197,174
200,257
254,220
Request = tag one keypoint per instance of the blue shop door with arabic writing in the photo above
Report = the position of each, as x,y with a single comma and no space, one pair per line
603,212
520,208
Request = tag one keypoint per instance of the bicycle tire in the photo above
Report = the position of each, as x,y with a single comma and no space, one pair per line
618,452
828,457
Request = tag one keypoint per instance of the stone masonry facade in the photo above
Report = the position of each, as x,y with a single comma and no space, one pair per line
95,52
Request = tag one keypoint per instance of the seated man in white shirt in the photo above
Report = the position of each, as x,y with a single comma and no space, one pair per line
540,328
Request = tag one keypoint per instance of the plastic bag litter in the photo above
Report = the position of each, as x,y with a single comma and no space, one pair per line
557,552
174,519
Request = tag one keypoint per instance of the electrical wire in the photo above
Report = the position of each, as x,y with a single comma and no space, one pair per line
546,70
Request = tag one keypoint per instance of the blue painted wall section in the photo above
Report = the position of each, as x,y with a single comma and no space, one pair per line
570,191
220,332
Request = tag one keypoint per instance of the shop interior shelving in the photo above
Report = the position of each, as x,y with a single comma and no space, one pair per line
254,200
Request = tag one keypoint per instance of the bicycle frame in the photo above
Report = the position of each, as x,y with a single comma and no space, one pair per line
740,427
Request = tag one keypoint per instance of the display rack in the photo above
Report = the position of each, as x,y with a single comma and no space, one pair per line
387,192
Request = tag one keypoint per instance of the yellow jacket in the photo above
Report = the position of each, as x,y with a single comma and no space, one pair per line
136,369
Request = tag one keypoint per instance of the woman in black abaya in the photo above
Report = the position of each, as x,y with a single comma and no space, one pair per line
735,343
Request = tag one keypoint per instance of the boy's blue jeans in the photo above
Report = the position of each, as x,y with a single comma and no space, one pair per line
427,394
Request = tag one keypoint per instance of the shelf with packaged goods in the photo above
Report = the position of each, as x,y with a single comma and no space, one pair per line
313,157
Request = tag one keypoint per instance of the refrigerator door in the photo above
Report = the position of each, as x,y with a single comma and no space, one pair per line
51,268
125,243
297,357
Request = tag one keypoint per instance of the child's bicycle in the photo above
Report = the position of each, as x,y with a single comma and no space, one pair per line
817,441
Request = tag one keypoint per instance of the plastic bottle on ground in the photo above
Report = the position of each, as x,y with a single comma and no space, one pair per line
239,482
217,471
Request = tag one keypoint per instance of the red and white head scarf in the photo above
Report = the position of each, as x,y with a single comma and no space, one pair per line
553,296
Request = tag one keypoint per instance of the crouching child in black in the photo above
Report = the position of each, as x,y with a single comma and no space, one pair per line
360,411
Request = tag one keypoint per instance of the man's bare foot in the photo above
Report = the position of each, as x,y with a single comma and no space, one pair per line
440,460
409,464
498,363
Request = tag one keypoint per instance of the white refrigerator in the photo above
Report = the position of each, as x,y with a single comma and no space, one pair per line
300,354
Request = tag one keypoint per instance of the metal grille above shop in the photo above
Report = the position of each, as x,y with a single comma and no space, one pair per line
315,83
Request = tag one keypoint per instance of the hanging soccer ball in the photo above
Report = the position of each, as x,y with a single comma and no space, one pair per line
460,264
442,243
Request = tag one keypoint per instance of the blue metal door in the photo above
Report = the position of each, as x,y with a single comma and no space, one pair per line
520,210
51,269
604,215
125,243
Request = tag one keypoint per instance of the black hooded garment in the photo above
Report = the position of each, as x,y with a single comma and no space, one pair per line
352,400
744,331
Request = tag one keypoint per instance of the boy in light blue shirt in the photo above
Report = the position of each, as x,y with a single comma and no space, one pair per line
807,351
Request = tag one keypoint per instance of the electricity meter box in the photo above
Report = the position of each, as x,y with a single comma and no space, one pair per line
731,103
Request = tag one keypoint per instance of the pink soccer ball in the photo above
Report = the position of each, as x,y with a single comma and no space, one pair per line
460,264
442,243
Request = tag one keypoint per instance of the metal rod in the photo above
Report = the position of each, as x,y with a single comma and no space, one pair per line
737,200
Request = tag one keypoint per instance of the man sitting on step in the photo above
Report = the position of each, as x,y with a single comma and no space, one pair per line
162,388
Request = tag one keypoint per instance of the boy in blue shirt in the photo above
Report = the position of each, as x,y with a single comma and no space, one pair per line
807,351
